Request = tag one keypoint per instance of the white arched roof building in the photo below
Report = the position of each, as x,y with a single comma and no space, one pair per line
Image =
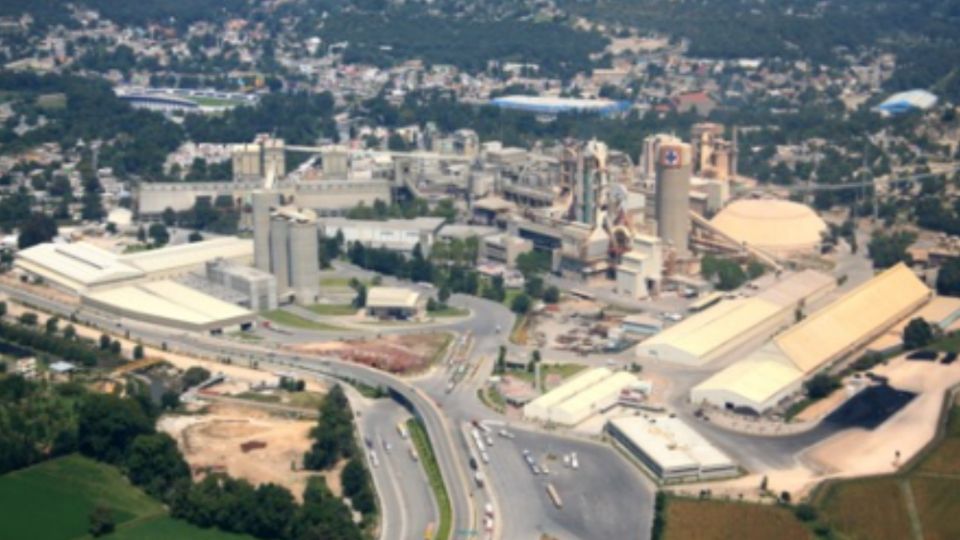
781,228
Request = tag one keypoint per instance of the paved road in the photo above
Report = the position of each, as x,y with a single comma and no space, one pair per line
409,505
440,432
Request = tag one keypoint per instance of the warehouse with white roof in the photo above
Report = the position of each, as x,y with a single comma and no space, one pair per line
591,392
395,303
171,304
75,268
669,448
765,378
730,324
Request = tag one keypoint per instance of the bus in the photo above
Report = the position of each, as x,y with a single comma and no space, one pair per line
554,496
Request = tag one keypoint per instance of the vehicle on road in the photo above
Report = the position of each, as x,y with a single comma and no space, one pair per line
485,457
478,478
374,460
574,461
413,453
386,445
402,430
488,509
554,496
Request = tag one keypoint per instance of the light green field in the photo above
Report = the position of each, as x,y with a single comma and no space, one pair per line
285,318
214,102
333,309
450,311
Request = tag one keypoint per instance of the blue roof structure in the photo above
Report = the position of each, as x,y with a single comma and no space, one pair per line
910,100
553,105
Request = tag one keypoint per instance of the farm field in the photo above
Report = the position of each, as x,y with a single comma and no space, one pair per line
873,509
285,318
879,508
689,519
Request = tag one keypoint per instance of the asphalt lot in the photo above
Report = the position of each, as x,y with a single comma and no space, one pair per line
604,498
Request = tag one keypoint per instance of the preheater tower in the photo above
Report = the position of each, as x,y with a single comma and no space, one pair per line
674,168
263,202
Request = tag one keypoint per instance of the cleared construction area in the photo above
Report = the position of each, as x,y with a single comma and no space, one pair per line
730,324
763,379
586,394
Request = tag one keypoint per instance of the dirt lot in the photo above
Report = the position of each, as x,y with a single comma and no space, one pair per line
716,520
394,353
212,441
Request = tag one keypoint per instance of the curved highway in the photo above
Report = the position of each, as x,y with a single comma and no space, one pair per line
440,432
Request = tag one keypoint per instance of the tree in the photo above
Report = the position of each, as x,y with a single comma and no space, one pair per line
534,286
69,332
159,234
52,324
107,424
948,278
274,510
194,236
36,229
194,376
101,521
104,342
521,304
820,386
169,400
154,462
917,334
28,318
138,351
502,360
805,512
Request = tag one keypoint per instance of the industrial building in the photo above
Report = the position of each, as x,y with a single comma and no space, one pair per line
674,170
395,303
171,304
765,378
911,100
265,158
730,324
80,267
669,448
588,393
641,269
292,250
942,311
75,267
557,105
504,249
258,288
393,234
780,228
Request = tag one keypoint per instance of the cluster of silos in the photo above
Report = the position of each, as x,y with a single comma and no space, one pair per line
674,167
286,245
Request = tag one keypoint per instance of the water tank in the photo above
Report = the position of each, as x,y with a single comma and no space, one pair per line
674,168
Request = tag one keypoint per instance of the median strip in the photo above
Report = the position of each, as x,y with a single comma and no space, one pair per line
419,437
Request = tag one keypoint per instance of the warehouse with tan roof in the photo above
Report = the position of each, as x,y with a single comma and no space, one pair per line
765,378
730,324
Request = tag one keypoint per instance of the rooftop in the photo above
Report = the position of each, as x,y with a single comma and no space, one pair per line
671,442
392,297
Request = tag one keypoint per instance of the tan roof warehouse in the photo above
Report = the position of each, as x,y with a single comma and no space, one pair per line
722,328
764,378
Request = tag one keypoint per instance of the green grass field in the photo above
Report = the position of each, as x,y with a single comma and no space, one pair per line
333,309
53,501
166,528
420,440
68,488
450,311
285,318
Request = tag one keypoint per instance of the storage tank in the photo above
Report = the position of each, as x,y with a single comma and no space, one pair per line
674,168
279,250
262,202
304,261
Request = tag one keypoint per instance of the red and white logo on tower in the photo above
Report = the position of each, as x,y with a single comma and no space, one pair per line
670,157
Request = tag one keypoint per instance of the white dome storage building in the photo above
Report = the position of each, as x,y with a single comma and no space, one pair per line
780,228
